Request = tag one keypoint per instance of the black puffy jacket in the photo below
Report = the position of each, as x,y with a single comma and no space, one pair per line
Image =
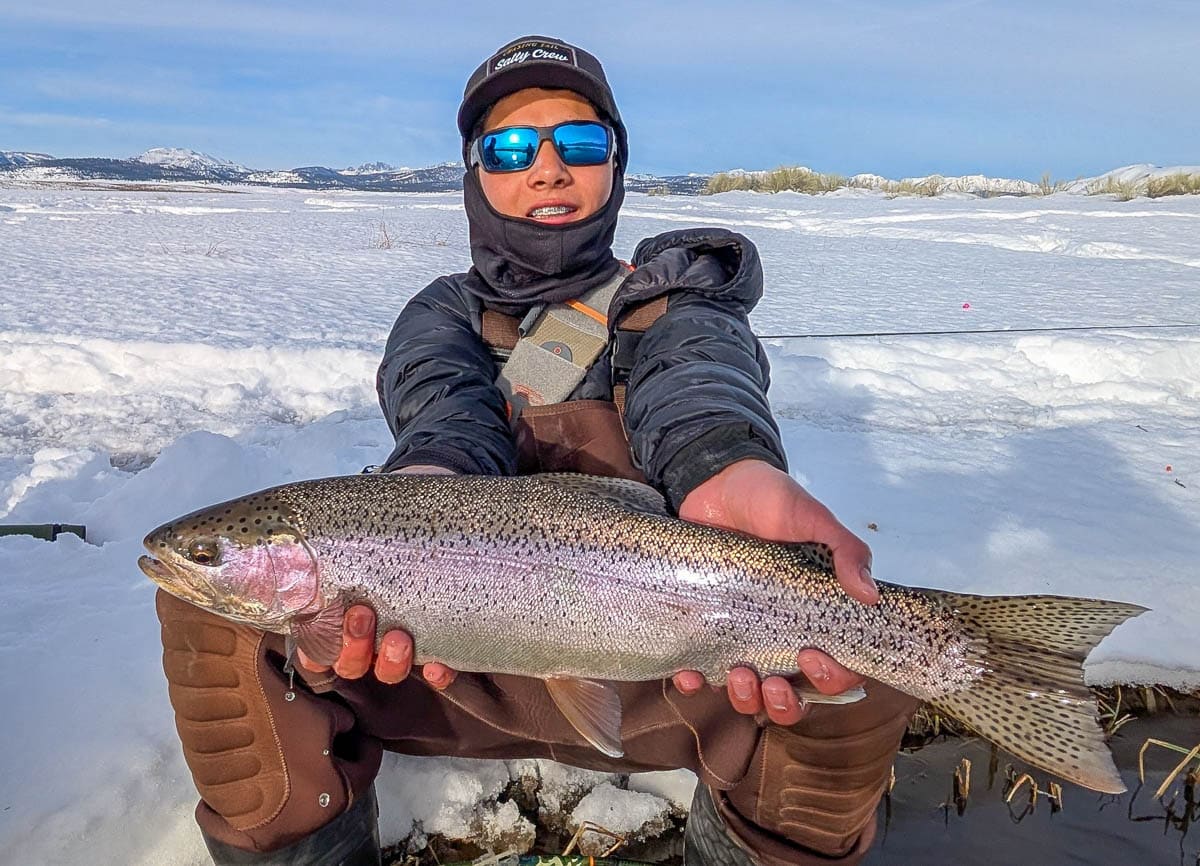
696,399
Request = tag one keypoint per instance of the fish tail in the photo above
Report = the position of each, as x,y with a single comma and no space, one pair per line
1031,699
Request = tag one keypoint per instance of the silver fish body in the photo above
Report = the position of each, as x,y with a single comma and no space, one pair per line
573,578
570,584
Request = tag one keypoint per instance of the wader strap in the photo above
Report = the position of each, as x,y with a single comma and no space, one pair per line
626,338
555,349
500,331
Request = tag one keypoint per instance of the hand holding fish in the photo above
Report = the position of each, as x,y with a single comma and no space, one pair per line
756,498
392,664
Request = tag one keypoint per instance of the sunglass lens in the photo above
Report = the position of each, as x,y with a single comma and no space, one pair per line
584,143
511,149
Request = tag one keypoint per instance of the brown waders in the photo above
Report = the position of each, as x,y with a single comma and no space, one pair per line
274,762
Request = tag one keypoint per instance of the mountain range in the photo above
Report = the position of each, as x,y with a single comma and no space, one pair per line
177,164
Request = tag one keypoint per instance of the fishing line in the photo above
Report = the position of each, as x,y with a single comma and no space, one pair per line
976,331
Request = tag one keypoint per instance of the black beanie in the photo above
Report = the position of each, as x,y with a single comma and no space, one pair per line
539,61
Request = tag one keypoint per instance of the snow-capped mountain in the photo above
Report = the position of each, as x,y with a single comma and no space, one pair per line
18,159
181,164
188,160
374,168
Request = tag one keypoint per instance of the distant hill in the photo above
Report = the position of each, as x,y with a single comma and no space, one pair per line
15,159
178,164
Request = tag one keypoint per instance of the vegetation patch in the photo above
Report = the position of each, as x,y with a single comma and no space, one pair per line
1179,183
783,179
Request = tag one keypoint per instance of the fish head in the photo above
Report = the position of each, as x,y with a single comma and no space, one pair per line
246,560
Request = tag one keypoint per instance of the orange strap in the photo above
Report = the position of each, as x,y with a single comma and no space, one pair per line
588,311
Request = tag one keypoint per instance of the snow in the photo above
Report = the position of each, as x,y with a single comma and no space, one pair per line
178,157
628,814
161,351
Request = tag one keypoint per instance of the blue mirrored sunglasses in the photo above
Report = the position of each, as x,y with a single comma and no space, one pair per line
514,148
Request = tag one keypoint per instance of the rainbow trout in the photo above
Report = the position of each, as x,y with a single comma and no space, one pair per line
484,572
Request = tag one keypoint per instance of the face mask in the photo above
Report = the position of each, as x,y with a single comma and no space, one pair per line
520,262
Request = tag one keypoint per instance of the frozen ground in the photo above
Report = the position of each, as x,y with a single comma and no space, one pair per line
161,351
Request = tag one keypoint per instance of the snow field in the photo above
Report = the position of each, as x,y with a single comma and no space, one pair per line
160,352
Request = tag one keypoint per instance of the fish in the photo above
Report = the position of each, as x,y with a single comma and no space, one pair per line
484,571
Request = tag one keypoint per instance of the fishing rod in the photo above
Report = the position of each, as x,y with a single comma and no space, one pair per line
977,331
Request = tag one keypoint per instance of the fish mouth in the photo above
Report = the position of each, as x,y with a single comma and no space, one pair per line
176,583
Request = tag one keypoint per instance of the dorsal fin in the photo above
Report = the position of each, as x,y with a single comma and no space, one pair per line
622,492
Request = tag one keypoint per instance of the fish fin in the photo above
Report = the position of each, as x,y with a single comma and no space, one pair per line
622,492
593,709
321,636
1031,699
809,695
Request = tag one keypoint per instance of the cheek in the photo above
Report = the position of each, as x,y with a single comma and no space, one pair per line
282,576
503,191
596,181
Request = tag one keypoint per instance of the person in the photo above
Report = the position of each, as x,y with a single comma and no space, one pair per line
285,762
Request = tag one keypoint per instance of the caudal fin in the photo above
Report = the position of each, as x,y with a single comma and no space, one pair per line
1031,699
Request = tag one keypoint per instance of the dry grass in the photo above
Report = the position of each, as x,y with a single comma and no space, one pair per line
1123,190
382,239
929,187
1180,183
1048,186
1192,776
783,179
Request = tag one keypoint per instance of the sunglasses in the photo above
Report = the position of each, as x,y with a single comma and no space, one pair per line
514,148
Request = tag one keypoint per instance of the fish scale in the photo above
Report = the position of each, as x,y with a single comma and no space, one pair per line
580,580
661,591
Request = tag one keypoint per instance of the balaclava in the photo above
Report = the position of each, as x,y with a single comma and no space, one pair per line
518,262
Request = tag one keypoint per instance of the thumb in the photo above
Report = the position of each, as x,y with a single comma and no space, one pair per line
852,565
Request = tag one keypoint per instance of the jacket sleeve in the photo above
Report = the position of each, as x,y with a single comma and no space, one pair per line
436,388
697,394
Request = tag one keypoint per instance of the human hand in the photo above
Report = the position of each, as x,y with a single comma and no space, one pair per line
394,660
756,498
392,664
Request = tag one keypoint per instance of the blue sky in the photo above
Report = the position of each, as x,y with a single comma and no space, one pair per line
899,88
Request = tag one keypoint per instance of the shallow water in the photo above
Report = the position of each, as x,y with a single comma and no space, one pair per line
921,823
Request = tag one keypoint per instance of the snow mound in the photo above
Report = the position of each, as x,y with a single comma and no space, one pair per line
632,815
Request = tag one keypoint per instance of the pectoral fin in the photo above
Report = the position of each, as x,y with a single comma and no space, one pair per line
321,636
593,709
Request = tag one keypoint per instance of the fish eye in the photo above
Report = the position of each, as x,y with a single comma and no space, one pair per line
203,553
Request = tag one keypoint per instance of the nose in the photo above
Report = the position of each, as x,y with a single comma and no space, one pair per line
548,169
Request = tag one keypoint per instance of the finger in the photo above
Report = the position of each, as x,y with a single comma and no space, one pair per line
827,676
744,691
852,564
782,704
358,643
395,657
308,664
688,682
438,675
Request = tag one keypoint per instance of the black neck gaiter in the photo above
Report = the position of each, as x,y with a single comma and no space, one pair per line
519,262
